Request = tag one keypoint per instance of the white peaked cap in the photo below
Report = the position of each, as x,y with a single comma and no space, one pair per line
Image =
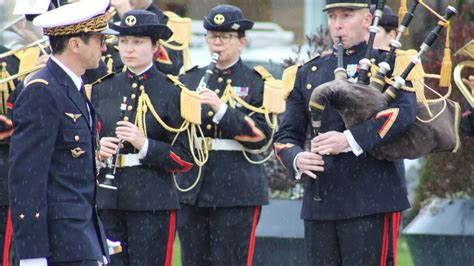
83,16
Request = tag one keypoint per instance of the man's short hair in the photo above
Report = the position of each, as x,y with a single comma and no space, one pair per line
58,43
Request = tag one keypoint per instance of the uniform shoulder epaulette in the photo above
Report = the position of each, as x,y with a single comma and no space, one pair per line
417,74
263,72
402,60
190,101
42,81
101,79
289,75
176,82
312,59
384,48
273,92
194,68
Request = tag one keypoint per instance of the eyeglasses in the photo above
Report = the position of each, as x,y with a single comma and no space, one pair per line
101,38
224,38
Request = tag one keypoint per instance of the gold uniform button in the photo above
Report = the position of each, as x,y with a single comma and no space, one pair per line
142,87
134,85
309,86
77,138
210,113
209,126
220,79
133,96
314,68
125,118
217,91
129,108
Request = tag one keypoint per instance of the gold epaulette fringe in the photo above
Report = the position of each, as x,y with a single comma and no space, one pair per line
288,79
416,76
190,102
182,34
273,93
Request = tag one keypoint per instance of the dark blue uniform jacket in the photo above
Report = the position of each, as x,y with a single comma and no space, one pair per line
350,186
52,179
227,178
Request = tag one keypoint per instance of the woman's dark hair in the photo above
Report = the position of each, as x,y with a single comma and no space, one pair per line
59,43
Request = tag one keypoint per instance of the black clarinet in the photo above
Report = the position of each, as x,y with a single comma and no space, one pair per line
378,81
365,63
111,164
207,75
392,91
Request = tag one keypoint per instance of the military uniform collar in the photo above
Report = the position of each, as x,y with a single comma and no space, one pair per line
70,78
231,69
144,75
361,47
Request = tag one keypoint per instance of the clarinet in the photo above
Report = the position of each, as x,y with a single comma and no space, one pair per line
210,68
365,62
392,91
111,165
378,81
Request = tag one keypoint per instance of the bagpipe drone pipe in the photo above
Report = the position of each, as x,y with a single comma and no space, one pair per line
436,126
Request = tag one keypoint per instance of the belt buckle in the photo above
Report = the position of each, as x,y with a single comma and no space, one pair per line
120,161
209,142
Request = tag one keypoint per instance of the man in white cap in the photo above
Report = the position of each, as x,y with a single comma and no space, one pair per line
52,175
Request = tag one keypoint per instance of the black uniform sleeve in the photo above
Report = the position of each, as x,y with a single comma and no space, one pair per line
172,152
290,137
36,123
247,127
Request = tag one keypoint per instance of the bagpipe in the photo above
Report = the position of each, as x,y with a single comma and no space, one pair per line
437,121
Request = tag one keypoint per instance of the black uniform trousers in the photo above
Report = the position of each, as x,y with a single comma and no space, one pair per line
226,235
77,263
3,228
147,237
364,241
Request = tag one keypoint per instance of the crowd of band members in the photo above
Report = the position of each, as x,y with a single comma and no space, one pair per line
216,220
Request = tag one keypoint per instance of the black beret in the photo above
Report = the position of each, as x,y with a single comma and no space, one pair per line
227,18
142,23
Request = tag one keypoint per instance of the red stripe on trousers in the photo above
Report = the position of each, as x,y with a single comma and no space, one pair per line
252,236
395,228
384,253
394,219
171,233
8,239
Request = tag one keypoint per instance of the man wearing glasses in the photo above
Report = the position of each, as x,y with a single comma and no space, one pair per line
52,179
218,217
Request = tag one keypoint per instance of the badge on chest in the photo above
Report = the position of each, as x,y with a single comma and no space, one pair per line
242,92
